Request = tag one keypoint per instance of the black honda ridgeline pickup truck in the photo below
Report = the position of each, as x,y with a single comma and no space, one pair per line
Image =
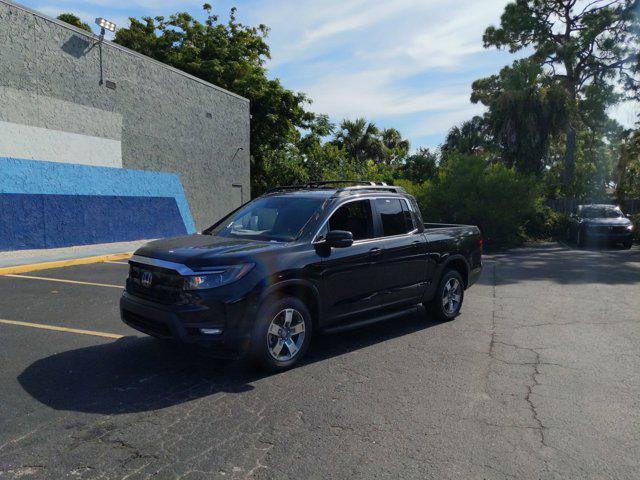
300,260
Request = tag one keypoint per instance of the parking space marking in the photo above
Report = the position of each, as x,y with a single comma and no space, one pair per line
113,261
62,280
61,329
32,267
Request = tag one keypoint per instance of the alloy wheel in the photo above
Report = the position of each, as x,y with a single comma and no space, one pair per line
285,336
452,296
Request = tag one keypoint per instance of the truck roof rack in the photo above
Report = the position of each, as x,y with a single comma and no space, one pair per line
351,186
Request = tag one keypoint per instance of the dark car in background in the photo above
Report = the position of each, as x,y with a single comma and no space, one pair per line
296,261
599,223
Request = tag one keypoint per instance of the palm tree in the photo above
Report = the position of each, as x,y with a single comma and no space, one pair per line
360,139
395,146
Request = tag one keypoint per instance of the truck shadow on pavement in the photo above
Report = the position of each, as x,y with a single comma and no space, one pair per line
557,263
135,374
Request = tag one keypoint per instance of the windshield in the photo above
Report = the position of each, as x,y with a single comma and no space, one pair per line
601,212
270,218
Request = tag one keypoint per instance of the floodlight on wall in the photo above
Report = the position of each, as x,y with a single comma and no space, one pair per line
104,26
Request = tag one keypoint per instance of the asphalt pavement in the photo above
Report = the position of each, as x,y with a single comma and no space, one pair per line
538,378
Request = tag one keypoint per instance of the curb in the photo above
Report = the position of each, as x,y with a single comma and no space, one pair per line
32,267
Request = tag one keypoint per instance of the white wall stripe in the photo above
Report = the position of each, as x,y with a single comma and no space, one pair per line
24,141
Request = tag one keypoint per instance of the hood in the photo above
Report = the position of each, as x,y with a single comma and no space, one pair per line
609,222
202,250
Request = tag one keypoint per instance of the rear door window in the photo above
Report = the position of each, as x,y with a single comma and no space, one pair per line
393,216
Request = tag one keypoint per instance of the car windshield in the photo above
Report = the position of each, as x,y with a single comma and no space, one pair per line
279,218
601,212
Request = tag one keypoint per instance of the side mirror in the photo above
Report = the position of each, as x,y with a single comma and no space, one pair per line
338,239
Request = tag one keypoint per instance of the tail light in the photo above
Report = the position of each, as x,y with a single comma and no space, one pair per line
481,242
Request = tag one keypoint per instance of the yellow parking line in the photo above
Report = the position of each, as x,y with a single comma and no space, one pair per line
61,329
63,263
62,280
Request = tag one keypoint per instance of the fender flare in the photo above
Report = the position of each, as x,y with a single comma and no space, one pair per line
456,257
294,282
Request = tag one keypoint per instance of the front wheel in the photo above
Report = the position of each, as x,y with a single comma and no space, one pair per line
281,333
628,244
449,296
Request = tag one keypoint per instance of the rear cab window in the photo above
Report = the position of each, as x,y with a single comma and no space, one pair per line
395,216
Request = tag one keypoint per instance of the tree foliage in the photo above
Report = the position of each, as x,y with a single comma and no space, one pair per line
473,137
582,45
230,55
526,108
628,167
74,20
420,166
468,190
363,141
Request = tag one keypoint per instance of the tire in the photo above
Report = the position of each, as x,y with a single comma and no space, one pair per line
449,309
272,342
627,245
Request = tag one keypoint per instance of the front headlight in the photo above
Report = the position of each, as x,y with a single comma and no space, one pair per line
630,227
217,277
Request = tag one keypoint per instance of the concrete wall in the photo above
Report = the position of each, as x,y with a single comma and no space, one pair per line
65,97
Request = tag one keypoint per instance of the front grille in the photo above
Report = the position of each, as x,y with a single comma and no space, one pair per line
147,325
609,229
165,287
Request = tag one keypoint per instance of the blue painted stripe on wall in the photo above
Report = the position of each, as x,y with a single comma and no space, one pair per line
49,221
40,177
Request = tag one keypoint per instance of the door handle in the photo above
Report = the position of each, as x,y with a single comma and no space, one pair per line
416,243
375,251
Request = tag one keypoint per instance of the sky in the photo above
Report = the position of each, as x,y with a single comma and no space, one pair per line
407,64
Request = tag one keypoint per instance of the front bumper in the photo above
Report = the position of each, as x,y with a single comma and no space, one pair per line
184,323
609,237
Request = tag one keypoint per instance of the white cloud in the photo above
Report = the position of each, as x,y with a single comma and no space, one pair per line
382,59
386,60
441,122
373,94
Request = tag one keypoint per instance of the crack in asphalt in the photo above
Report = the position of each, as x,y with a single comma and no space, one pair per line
492,340
532,406
540,427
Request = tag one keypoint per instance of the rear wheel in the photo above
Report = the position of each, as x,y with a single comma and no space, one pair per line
449,296
281,334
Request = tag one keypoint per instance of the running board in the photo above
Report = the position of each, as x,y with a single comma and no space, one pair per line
369,321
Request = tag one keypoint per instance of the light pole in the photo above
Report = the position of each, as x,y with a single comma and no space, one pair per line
104,26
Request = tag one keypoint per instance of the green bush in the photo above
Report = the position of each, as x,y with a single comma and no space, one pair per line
467,190
636,223
546,223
